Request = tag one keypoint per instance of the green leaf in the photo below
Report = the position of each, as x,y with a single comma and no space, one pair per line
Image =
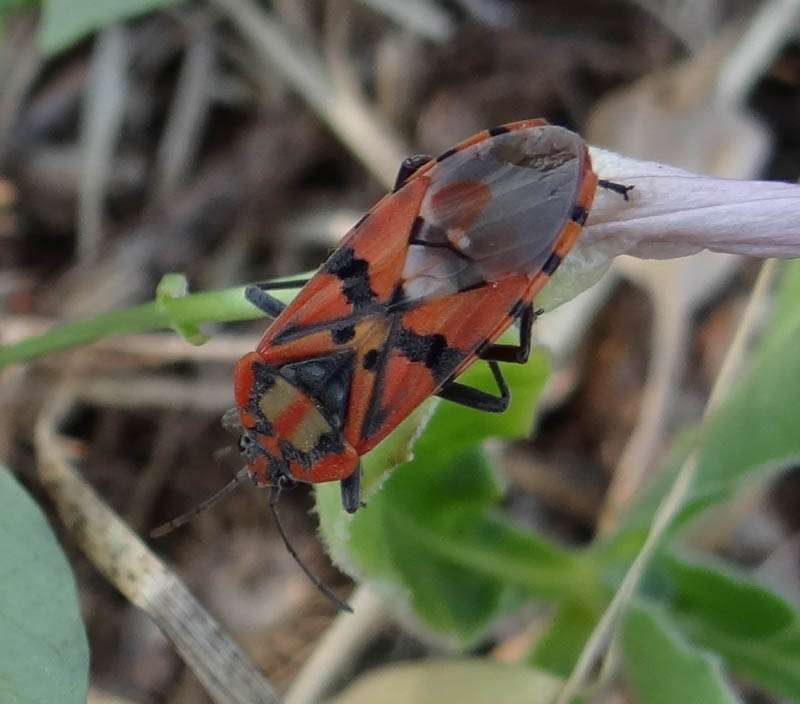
209,306
431,530
755,630
65,22
9,6
664,668
473,681
755,432
557,651
44,656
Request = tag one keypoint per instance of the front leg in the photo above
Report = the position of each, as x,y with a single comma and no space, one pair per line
616,187
258,296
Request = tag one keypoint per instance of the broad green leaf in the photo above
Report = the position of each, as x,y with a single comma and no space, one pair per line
557,651
9,6
664,668
65,22
755,630
44,656
431,530
473,681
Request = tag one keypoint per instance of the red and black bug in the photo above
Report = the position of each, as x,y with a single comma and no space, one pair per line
418,290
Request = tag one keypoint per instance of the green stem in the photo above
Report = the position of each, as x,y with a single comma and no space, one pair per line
213,306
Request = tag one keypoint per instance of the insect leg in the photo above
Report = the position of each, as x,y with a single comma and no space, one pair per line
351,491
476,398
408,167
515,354
616,187
258,296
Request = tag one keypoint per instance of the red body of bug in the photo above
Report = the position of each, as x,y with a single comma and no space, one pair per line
418,290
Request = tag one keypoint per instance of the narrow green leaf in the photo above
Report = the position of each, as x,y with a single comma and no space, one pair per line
664,668
557,651
227,305
755,630
44,656
65,22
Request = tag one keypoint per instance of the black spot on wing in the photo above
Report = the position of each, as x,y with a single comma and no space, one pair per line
354,275
446,154
343,335
579,214
517,308
432,350
551,264
370,360
495,131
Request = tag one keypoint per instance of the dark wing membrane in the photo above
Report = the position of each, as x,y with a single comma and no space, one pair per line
494,209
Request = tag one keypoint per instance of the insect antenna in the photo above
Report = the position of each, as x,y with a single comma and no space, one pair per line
169,526
318,583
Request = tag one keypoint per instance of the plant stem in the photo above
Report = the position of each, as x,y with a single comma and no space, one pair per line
213,306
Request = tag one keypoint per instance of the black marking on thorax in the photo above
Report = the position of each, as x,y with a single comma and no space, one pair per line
326,380
263,380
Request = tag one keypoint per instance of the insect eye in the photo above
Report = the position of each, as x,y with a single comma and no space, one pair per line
245,441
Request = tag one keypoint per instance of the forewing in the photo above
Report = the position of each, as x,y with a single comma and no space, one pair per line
425,347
